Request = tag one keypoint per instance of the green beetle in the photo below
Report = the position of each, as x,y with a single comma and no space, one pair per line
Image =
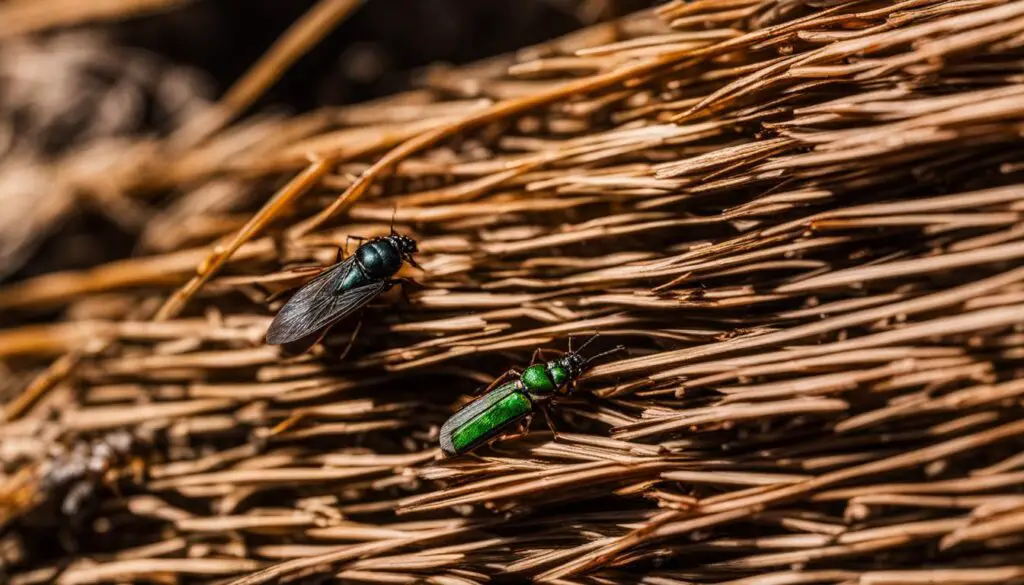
503,405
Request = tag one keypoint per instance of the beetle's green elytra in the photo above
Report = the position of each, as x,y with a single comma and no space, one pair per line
483,418
513,402
536,379
510,408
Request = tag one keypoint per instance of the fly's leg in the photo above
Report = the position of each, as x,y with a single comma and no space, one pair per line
271,297
347,238
258,293
284,250
292,260
403,283
405,297
405,293
351,341
296,264
280,245
546,411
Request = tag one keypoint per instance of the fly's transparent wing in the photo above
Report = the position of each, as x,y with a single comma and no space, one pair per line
316,305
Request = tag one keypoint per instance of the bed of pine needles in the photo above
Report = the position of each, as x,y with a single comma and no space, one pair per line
804,218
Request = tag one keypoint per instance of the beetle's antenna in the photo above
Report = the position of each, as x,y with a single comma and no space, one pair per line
587,342
616,349
393,214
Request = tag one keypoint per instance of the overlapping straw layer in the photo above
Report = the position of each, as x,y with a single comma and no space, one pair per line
804,219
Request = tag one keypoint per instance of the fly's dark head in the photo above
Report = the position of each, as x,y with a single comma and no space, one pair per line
406,247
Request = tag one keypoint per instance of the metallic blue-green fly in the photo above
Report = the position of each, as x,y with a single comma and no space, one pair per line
340,291
506,404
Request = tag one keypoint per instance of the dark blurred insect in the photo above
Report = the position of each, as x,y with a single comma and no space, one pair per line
505,404
340,291
70,477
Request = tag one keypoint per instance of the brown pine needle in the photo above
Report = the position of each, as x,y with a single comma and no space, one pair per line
221,253
803,220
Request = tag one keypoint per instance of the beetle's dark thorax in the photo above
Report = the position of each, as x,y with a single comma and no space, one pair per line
574,363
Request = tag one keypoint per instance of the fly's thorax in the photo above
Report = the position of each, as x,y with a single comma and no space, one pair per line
546,380
380,258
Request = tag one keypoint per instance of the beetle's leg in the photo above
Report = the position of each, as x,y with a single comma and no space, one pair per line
351,341
497,381
508,437
540,353
524,424
551,423
522,431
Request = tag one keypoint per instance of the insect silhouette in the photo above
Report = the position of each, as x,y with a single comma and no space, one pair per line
503,405
340,291
73,475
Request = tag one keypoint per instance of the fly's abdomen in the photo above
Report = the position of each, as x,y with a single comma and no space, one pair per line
484,418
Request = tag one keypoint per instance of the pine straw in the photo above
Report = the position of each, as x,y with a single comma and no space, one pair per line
805,220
